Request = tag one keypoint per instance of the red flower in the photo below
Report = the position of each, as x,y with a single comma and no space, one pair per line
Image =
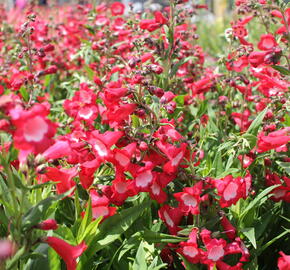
279,193
63,177
284,261
189,199
153,24
143,176
232,189
156,191
238,64
273,140
215,248
58,150
190,249
68,252
49,224
230,230
257,58
101,143
88,169
122,189
117,8
34,131
267,42
246,160
171,216
174,154
100,205
121,158
242,119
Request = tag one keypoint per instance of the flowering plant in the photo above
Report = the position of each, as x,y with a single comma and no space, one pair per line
125,145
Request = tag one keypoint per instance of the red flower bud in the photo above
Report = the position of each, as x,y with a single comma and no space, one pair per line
49,224
50,70
98,81
143,146
48,48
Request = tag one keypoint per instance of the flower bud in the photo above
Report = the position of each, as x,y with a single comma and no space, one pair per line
48,48
50,70
7,249
143,146
49,224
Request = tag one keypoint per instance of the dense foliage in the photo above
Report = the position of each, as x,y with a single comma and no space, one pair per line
125,144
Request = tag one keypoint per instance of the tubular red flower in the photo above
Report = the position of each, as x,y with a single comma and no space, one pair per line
68,252
284,261
49,224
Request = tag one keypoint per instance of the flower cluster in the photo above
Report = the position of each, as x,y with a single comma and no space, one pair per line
118,130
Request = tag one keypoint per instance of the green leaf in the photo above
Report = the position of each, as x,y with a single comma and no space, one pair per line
272,241
113,227
157,264
86,220
176,66
252,139
179,100
90,72
232,171
39,259
262,223
54,260
218,164
254,127
115,77
90,28
65,211
258,201
285,166
90,231
135,121
155,237
188,265
24,93
36,214
129,244
140,261
250,234
282,70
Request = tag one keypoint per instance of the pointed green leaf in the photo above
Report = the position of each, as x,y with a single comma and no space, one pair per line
36,214
86,220
140,261
250,234
114,226
155,237
254,127
282,70
285,166
257,201
176,66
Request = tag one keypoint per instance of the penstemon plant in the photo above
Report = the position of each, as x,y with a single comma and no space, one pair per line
126,145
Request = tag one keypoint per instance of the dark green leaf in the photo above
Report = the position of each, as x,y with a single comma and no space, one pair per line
285,166
37,212
282,70
154,237
258,201
113,227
